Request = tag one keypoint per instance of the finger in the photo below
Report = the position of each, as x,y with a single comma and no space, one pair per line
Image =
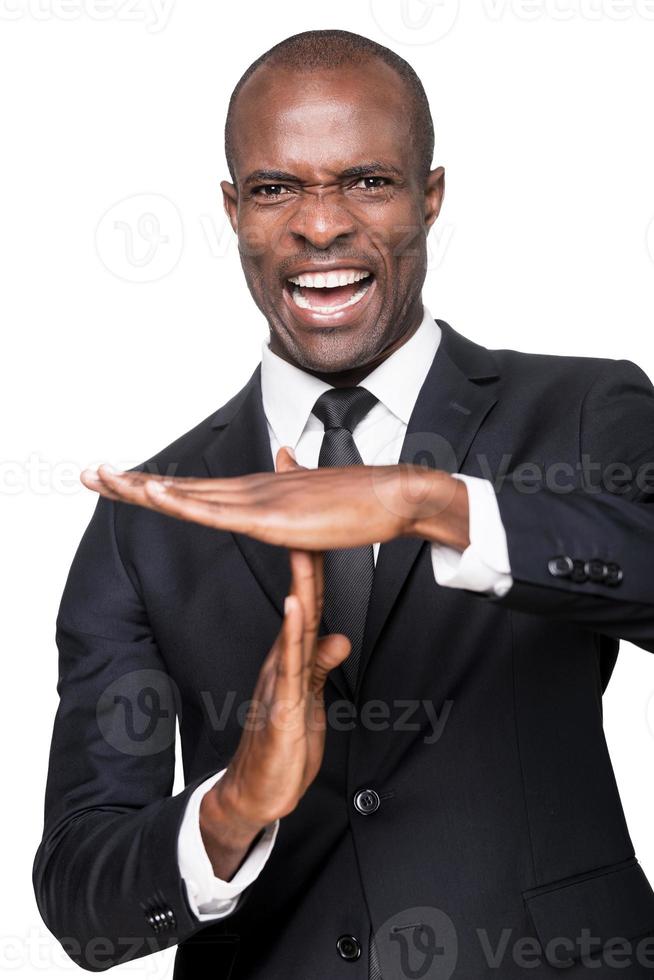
285,461
331,651
126,486
90,479
266,678
251,518
318,575
290,667
132,485
303,585
211,513
314,688
193,484
268,670
319,558
137,477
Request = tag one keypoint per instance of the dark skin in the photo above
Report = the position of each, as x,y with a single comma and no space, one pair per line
326,176
378,217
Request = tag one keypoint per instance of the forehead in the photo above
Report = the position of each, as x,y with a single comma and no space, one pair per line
303,122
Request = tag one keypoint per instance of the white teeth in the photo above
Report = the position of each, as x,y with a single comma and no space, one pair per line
328,280
304,303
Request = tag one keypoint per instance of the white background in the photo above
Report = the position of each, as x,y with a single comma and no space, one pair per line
116,340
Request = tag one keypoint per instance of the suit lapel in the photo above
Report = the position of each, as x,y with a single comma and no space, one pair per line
243,446
450,408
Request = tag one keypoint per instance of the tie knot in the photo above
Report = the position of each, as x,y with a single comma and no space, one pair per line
343,408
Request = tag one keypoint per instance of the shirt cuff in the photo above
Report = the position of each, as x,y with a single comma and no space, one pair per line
484,565
211,897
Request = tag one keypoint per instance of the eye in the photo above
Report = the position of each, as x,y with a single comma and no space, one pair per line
269,190
372,183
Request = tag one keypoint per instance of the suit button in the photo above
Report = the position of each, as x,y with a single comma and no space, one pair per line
578,573
366,801
160,919
348,947
614,573
595,570
561,566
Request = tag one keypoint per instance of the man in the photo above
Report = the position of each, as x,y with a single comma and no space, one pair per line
411,558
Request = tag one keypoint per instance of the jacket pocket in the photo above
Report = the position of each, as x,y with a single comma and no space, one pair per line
583,914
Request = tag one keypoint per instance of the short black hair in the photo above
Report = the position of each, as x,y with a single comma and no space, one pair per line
329,49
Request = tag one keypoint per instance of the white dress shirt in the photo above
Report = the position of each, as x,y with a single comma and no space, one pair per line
289,394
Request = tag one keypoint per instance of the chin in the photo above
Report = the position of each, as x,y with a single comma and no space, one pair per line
334,351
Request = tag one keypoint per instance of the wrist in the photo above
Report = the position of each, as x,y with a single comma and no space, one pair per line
439,508
223,822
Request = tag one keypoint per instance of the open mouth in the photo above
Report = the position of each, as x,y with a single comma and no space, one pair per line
329,293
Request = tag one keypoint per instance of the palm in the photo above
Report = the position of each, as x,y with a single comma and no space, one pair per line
312,509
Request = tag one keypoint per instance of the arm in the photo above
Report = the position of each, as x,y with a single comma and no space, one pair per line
484,565
355,505
602,533
105,875
211,897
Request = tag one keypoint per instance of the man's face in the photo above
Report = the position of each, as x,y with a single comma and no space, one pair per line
331,212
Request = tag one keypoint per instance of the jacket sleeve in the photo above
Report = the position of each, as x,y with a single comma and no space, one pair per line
106,875
581,538
209,897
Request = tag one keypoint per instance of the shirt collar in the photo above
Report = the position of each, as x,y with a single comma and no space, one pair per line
289,393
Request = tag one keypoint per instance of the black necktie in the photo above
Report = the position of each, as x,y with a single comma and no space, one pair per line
348,571
374,966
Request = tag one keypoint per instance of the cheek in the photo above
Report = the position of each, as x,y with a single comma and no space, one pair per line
399,234
264,242
253,242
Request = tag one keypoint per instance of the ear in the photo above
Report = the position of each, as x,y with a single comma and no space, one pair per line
285,461
434,192
230,202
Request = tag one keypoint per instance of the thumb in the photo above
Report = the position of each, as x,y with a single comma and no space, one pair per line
285,460
331,651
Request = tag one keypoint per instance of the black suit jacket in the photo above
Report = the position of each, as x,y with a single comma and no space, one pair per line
503,827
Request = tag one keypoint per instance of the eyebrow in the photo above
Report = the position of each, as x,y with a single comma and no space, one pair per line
283,177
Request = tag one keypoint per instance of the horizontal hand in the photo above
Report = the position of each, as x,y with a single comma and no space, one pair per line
311,509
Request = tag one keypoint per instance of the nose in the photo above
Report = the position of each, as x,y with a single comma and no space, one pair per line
321,222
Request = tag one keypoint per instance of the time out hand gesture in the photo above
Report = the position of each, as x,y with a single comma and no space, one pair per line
312,509
281,748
